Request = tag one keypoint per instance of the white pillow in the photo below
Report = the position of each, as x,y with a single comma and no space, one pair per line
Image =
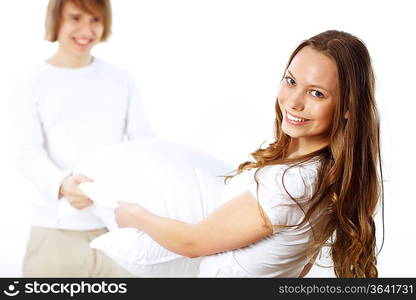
169,179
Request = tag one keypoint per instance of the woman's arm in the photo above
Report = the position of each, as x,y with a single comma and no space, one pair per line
233,225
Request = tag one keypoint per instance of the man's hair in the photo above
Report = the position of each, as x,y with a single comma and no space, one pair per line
101,8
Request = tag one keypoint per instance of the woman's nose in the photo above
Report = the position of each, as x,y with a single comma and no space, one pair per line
296,101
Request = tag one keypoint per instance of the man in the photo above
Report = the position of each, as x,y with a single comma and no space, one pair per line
68,106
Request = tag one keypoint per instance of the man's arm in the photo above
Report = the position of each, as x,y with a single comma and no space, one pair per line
33,160
138,124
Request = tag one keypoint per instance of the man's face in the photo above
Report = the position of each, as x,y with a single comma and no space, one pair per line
79,31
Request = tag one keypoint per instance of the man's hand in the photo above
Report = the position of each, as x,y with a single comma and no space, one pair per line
69,189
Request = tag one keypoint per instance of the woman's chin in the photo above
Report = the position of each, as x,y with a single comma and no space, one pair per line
291,133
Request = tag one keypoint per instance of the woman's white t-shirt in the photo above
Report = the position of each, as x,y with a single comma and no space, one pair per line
283,254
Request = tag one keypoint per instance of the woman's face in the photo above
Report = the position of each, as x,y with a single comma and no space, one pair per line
307,96
79,31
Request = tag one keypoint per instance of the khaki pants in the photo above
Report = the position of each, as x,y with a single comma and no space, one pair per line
66,253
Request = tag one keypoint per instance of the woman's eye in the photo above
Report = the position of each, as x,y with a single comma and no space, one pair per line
316,93
290,81
96,20
75,18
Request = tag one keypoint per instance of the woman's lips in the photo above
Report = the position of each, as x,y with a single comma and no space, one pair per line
292,121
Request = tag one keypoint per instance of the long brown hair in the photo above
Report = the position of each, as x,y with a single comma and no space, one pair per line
349,183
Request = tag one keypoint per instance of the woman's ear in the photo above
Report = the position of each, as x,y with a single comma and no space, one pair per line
347,114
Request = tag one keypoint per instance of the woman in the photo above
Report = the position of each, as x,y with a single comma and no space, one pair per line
318,182
66,107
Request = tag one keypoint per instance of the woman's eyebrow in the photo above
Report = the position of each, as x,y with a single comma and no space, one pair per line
290,73
320,87
311,85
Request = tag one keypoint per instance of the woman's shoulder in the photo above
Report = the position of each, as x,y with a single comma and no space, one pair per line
297,180
307,168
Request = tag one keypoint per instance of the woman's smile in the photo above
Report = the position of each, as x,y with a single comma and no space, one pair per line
295,120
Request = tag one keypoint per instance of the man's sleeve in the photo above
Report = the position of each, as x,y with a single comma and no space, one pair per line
137,122
33,160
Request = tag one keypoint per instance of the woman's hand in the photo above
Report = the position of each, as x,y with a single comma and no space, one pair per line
128,214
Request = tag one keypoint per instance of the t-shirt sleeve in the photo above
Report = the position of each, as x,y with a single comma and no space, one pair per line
276,191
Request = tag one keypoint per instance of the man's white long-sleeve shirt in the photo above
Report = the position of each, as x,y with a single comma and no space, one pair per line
62,114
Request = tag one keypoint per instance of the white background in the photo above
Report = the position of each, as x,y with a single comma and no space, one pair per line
208,73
